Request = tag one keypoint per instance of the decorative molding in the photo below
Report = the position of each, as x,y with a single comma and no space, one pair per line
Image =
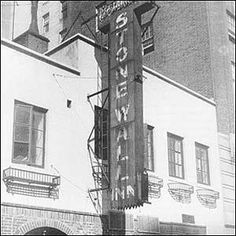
180,192
154,186
208,197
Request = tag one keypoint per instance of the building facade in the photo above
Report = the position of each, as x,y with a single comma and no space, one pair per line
185,168
177,183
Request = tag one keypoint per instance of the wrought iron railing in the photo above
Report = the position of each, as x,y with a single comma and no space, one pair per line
31,183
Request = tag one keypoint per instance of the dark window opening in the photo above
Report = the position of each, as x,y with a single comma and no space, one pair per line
101,133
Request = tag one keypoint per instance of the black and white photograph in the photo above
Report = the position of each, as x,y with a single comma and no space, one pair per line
117,118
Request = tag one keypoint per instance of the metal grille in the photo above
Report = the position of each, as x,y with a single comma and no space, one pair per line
31,183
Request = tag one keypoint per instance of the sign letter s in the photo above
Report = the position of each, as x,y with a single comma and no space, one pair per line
121,20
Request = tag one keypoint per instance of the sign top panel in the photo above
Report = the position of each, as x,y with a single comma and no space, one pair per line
107,9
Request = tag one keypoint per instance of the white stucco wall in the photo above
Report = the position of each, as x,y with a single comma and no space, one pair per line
170,109
31,81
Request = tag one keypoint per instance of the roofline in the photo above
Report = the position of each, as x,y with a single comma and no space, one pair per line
71,40
178,85
145,68
53,62
38,56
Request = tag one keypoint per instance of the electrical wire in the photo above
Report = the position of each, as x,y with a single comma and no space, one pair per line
68,180
75,77
88,197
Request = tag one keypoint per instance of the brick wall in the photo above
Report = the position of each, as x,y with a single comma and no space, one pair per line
182,50
18,219
181,229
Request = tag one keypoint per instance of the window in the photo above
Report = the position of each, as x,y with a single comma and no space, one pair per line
202,164
46,23
62,34
231,22
175,156
64,9
147,38
148,143
29,135
233,76
101,134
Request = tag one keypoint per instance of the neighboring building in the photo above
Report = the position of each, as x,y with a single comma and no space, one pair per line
7,9
50,20
56,152
15,20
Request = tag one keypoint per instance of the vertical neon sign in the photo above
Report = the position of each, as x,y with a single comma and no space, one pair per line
126,108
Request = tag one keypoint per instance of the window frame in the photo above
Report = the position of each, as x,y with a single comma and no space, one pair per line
64,9
46,22
178,138
149,128
149,48
206,148
32,109
62,34
230,22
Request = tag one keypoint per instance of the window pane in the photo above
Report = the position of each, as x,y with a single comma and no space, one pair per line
149,149
199,177
21,133
177,171
150,167
178,159
202,164
37,138
38,120
22,115
36,156
104,138
205,178
198,164
177,146
21,152
171,156
172,169
171,143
